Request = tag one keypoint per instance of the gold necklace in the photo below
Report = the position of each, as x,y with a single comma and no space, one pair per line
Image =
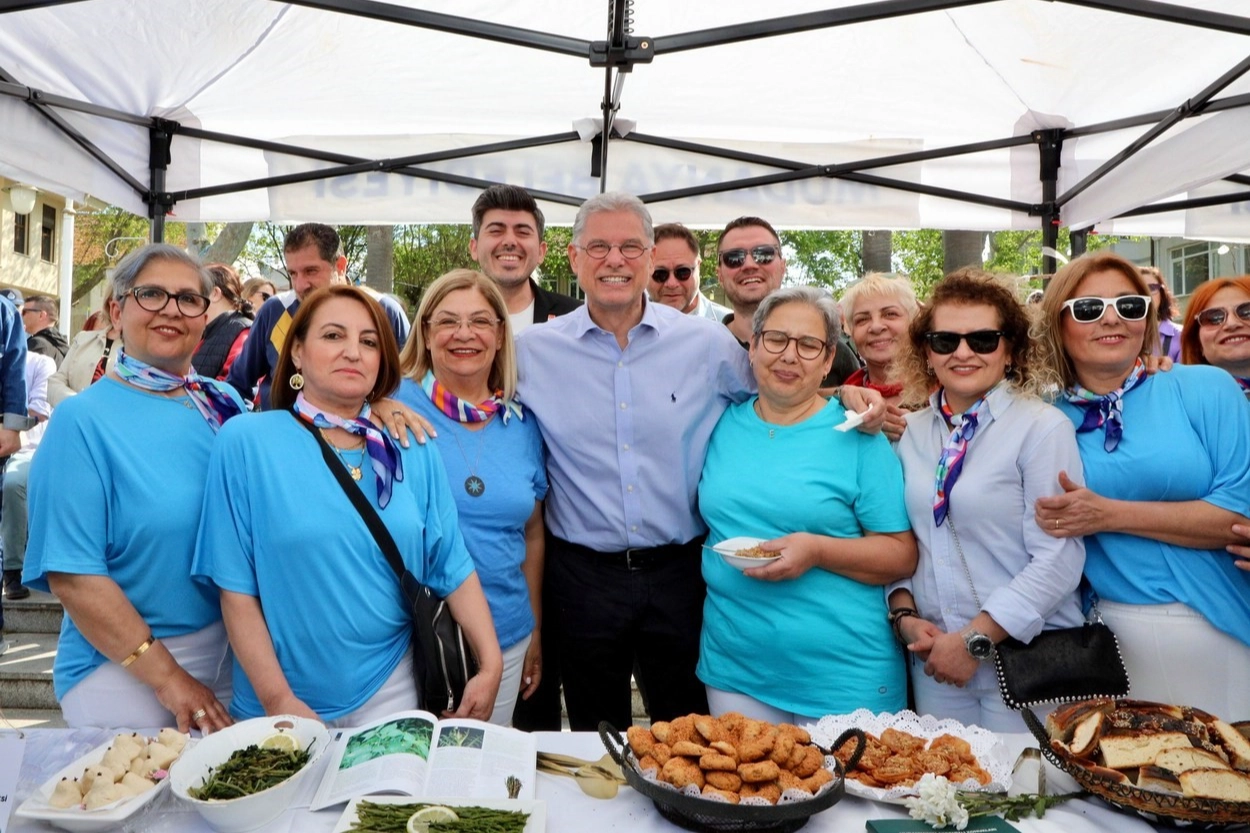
354,471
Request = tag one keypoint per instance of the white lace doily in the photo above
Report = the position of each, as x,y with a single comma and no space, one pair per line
990,752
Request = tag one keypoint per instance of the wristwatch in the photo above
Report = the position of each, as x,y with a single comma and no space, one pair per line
980,646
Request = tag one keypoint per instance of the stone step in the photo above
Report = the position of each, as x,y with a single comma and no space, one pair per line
26,671
31,719
39,613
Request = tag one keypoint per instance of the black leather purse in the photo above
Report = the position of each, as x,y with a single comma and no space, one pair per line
441,660
1061,666
1058,666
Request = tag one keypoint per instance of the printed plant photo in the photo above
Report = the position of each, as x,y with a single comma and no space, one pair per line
409,735
461,736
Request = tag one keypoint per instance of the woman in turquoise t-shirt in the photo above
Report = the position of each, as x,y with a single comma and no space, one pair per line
460,365
805,635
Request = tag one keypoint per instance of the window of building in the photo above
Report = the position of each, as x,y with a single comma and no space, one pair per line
21,234
47,234
1191,265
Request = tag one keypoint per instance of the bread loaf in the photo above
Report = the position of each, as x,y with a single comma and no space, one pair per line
1159,780
1131,751
1234,742
1183,760
1224,784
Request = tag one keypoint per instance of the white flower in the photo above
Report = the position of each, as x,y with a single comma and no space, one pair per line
937,803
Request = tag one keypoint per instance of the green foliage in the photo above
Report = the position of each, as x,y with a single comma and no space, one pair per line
918,254
424,252
555,271
827,258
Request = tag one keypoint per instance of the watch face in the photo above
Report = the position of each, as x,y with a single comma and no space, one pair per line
979,645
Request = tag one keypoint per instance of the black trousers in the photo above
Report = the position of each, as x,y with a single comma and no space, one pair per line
541,712
615,611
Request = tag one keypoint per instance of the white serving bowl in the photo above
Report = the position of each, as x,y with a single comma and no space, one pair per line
236,815
727,548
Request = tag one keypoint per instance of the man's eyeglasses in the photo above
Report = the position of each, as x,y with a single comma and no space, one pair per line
1215,316
979,341
1154,287
155,299
451,324
776,341
681,273
737,258
1090,309
599,250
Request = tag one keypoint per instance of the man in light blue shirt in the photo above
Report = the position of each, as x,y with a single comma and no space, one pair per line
626,392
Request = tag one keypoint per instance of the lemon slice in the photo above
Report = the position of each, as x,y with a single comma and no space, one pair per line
421,820
281,741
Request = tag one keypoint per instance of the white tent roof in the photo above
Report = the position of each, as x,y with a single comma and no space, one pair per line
703,108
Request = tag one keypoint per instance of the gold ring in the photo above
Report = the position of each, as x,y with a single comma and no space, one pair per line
397,413
1056,523
198,715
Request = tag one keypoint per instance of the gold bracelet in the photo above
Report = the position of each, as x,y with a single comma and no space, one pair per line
140,651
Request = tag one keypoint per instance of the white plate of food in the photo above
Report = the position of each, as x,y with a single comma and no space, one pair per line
907,745
63,800
347,823
743,553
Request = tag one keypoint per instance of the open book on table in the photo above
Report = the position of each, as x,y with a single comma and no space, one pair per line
416,754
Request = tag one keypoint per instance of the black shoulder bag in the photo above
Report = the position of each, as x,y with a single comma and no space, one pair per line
441,660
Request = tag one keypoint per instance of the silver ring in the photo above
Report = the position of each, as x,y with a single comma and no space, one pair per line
397,413
198,715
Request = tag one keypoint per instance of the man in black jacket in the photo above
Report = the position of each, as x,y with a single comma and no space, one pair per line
508,244
39,316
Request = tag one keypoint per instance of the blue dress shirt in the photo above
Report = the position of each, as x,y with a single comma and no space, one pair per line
627,429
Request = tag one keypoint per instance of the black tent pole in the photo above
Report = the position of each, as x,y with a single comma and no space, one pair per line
1049,150
160,137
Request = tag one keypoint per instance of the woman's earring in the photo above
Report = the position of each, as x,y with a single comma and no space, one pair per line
297,381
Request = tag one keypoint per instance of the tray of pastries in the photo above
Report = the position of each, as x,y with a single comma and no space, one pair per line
1172,764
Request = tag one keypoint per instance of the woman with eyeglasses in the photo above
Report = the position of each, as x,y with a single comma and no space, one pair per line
974,462
1217,328
1155,532
315,612
229,324
257,291
805,635
115,496
460,374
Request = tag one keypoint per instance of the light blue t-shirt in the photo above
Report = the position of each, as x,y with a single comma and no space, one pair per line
1186,437
509,460
116,490
818,644
276,525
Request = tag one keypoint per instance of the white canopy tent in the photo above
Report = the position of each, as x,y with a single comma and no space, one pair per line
960,114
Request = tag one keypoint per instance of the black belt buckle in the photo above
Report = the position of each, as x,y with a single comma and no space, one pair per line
639,558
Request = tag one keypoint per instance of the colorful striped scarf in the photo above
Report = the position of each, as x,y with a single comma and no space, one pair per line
462,411
384,457
951,463
1106,411
1245,385
214,404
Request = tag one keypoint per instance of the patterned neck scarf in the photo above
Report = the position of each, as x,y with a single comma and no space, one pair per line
1106,411
951,463
860,379
214,405
1245,385
462,411
384,457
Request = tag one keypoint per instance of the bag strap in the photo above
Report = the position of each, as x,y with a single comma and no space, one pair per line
951,522
368,514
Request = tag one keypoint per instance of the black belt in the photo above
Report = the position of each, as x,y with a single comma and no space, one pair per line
635,558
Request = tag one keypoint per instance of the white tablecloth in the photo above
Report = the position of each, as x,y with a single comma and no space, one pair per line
568,810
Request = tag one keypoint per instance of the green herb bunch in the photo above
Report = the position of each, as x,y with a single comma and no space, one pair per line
248,771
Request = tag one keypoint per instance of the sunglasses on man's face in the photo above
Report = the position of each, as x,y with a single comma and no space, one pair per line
980,341
681,273
1155,287
1215,316
737,258
1090,309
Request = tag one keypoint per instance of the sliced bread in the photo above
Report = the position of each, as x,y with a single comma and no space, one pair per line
1224,784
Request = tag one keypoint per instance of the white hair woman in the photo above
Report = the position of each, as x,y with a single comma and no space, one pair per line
876,310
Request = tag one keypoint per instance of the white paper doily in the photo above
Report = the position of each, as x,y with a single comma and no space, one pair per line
990,752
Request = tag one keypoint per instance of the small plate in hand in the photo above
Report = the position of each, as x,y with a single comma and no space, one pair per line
729,549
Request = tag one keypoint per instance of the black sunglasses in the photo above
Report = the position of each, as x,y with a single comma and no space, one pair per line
1215,316
1089,309
981,341
737,258
681,273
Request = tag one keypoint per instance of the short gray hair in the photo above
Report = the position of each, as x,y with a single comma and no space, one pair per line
127,272
614,201
822,301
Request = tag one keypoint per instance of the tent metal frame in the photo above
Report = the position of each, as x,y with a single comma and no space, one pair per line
617,55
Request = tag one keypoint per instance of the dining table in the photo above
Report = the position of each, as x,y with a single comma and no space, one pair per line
568,810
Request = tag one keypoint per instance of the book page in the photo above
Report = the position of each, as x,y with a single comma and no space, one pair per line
387,756
473,759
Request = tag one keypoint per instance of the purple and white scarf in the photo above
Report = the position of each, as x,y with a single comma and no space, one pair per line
384,457
214,404
1106,411
951,463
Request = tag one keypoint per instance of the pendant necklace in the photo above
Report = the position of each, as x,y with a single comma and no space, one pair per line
354,471
473,484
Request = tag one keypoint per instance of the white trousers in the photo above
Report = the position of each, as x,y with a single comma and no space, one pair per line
977,703
111,697
510,684
720,701
397,694
1174,655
